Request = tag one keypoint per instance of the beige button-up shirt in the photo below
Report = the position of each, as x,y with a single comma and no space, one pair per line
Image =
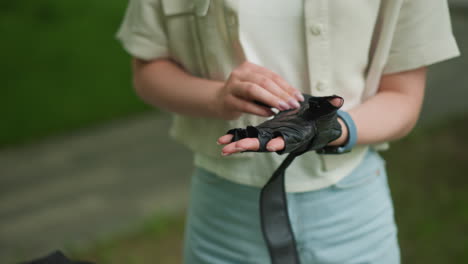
349,45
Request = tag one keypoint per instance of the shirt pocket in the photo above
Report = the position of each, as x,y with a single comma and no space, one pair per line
184,27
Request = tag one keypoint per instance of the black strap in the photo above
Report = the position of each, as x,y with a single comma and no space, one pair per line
274,217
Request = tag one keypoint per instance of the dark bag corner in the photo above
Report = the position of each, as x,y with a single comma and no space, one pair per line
56,257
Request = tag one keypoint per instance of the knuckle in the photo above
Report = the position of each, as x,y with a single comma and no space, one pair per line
276,78
236,73
233,88
281,84
290,88
249,89
264,82
239,144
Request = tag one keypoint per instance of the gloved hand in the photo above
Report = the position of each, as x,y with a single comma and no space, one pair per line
310,127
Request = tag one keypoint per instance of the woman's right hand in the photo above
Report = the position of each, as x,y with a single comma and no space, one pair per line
250,84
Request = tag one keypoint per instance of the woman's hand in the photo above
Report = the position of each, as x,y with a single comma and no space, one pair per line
275,144
249,89
249,86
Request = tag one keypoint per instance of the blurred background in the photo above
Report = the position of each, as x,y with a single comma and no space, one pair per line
87,168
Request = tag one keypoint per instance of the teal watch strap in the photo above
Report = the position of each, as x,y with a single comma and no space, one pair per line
352,136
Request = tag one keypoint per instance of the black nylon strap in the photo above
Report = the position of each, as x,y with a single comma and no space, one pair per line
274,217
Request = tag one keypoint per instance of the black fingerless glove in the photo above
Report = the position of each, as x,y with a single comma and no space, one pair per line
310,127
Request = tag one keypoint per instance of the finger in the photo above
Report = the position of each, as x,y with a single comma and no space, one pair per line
283,84
245,106
275,144
253,91
337,102
265,82
225,139
241,145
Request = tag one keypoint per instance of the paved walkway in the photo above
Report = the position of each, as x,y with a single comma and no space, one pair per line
80,187
76,188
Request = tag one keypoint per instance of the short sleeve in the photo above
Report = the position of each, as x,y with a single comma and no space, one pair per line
423,36
141,32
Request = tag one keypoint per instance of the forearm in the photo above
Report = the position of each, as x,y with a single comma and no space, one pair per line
164,84
387,116
392,112
250,88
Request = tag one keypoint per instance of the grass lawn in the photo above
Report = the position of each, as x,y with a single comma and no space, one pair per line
159,240
428,176
61,67
427,173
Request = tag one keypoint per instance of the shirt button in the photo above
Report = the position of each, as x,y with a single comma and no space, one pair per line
316,29
321,86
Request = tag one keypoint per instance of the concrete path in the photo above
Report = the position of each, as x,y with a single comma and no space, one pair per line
76,188
81,187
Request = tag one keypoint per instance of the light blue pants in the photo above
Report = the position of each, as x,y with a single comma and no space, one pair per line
349,222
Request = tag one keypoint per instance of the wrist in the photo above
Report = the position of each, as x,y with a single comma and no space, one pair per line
215,104
347,140
344,135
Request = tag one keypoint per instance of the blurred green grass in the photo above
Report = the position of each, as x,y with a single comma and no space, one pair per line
62,67
427,176
158,240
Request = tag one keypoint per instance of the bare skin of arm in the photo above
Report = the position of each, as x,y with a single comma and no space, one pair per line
164,84
389,115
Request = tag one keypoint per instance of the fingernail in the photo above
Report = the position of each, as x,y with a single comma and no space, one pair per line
299,96
336,102
283,105
269,148
293,103
217,142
